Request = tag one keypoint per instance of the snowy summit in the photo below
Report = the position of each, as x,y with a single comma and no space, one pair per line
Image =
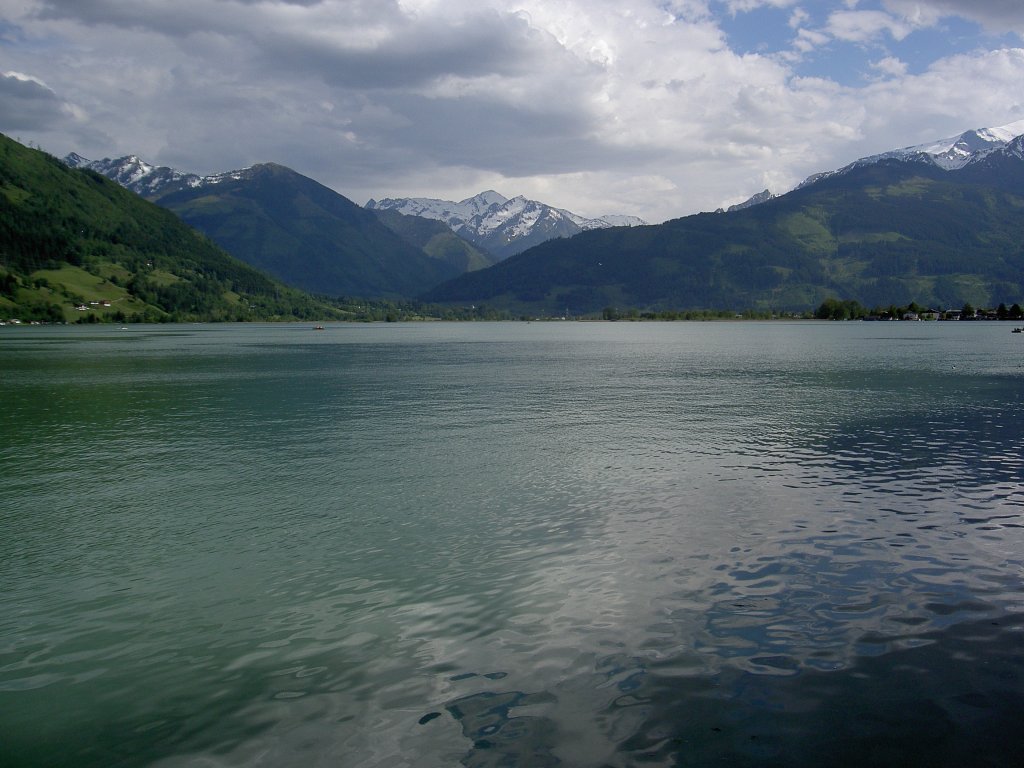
501,225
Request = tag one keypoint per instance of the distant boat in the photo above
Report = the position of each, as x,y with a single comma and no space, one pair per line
1018,330
318,327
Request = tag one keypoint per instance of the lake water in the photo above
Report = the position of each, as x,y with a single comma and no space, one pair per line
519,544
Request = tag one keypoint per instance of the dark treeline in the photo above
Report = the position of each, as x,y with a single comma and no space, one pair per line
850,309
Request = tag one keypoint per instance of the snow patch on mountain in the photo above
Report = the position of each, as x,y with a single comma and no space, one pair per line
75,160
140,177
1015,148
153,181
760,197
499,224
949,154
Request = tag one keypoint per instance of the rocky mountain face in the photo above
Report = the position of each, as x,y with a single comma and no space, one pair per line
131,172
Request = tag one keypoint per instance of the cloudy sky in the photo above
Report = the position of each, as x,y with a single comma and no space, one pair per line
657,108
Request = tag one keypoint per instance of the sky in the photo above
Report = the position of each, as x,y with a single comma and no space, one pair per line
653,108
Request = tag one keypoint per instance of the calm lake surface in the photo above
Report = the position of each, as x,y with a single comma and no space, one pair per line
576,544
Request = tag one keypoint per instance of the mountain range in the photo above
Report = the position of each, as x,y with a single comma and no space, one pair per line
75,246
895,228
331,258
499,225
289,226
939,223
949,154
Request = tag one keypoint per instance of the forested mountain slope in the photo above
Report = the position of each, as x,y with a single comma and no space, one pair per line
894,231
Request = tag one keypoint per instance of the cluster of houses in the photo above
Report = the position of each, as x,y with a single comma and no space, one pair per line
947,314
92,304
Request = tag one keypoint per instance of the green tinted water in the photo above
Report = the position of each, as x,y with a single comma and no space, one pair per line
525,544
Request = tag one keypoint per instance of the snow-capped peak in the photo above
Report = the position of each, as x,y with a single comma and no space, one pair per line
949,154
136,174
452,213
1015,147
956,151
502,225
152,181
75,160
621,220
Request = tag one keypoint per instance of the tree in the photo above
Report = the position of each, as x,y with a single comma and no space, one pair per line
834,309
8,284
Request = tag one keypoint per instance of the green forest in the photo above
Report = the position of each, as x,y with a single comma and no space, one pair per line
883,235
76,247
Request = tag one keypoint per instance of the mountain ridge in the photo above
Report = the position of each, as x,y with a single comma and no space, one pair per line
305,233
76,246
289,225
896,230
949,154
893,227
492,222
501,225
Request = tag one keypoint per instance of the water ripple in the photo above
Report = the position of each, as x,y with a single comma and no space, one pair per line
588,544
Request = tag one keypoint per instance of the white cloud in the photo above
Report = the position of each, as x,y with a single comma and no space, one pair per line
633,106
807,40
798,18
866,26
741,6
890,66
997,16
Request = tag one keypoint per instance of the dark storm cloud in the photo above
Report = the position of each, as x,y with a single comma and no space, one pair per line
357,44
996,15
504,139
166,19
990,10
27,105
226,17
483,88
415,54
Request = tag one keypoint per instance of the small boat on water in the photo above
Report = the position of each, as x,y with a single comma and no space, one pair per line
318,327
1018,330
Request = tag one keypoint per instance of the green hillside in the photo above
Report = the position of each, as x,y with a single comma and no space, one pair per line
437,240
884,234
307,235
76,246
